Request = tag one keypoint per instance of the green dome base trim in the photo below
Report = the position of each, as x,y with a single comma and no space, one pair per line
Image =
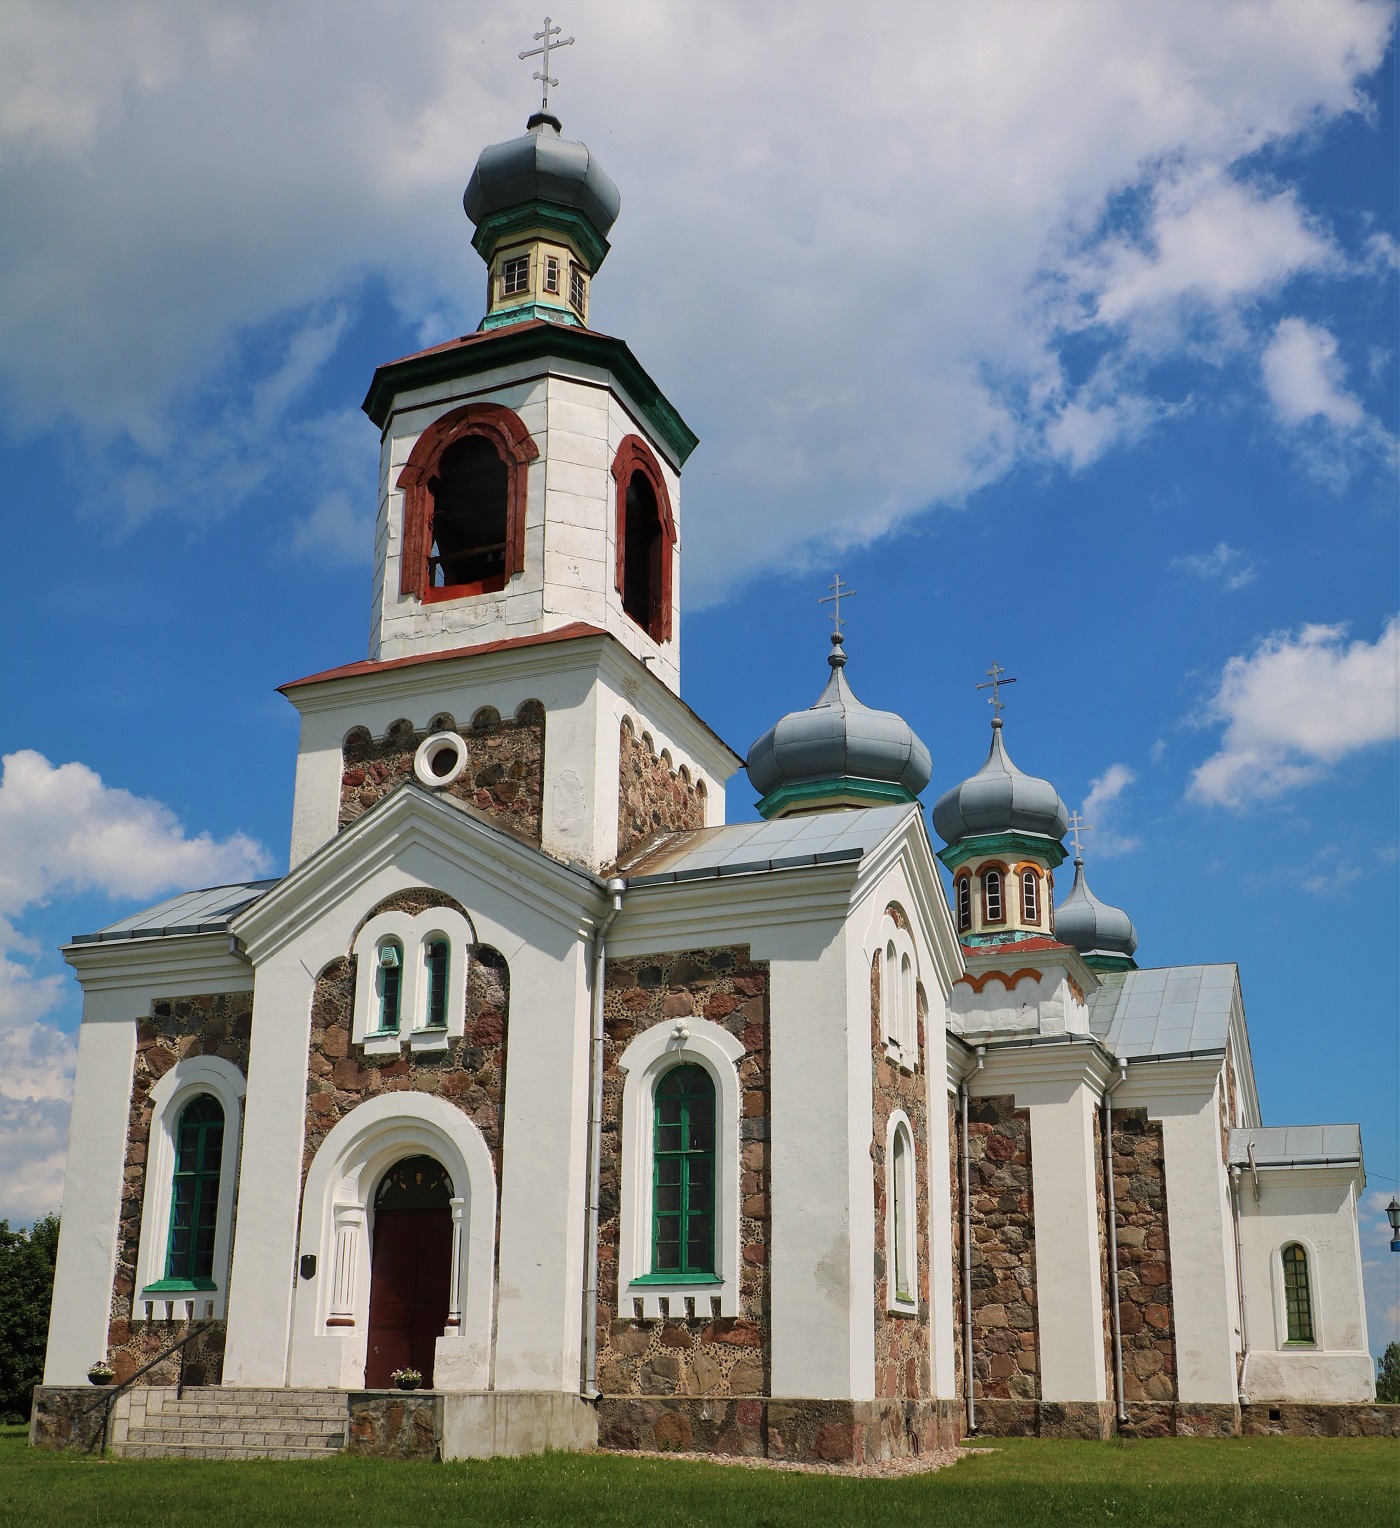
813,795
1110,962
1003,845
534,217
502,318
993,938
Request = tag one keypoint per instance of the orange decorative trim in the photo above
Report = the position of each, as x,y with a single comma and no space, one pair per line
978,982
1075,988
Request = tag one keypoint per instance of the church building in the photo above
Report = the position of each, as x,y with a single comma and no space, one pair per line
616,1121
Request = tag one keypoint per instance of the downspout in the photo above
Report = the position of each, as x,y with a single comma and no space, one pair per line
1111,1214
967,1242
1240,1394
588,1386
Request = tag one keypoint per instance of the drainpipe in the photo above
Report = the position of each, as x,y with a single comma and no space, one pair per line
588,1387
1111,1210
1240,1394
967,1242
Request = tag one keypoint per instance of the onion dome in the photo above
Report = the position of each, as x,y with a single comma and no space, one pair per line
1000,799
1103,935
837,753
542,167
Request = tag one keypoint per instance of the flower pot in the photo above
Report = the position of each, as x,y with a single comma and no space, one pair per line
408,1384
100,1376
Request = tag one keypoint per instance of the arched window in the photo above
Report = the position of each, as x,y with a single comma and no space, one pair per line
908,1018
194,1196
464,488
683,1173
964,903
902,1232
889,995
389,984
992,909
435,956
646,536
1030,897
1297,1294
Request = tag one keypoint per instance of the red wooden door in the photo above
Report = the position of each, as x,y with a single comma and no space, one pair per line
409,1275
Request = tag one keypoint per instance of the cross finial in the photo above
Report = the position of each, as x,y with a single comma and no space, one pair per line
1077,825
542,75
839,592
994,683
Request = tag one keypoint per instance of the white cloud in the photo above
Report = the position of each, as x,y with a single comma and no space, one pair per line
1101,806
63,831
803,281
1304,378
1224,562
1297,704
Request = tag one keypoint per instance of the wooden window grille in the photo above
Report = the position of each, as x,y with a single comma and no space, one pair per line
683,1173
964,903
577,289
436,1015
1297,1294
515,276
1030,896
992,909
194,1199
551,273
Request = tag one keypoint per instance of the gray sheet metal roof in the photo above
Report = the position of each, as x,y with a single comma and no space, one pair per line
193,912
1170,1011
785,843
1297,1145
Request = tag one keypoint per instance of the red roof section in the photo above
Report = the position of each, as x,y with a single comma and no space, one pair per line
465,340
1018,945
570,633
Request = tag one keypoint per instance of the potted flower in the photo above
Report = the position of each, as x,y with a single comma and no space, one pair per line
407,1379
101,1373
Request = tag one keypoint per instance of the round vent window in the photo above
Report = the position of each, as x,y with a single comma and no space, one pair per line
440,760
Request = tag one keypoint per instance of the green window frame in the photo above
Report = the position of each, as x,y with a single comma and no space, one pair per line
194,1196
1297,1294
683,1176
388,985
436,958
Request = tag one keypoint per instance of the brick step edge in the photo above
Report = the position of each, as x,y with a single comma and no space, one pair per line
240,1437
196,1409
210,1451
250,1396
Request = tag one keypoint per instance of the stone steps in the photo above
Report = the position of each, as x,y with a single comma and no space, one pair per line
210,1422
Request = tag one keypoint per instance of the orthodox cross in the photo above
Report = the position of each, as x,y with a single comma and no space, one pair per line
1077,825
548,36
994,684
839,592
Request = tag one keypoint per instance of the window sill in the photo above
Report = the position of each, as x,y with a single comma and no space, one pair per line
434,1039
900,1307
381,1042
178,1287
666,1279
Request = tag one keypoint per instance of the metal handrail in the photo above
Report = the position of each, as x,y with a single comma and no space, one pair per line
108,1398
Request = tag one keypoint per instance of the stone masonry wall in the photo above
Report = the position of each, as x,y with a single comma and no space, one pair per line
1005,1340
955,1202
470,1073
706,1356
504,777
1144,1261
210,1025
902,1342
652,798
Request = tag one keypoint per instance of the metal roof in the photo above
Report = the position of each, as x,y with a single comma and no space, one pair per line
1297,1145
786,843
1170,1011
209,911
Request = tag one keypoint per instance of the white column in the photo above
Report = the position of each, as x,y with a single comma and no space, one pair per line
349,1237
457,1288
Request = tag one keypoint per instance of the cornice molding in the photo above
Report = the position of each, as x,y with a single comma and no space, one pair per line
177,963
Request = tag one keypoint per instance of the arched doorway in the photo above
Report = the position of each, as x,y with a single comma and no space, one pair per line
410,1270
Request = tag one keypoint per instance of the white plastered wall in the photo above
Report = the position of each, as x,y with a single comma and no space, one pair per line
1316,1207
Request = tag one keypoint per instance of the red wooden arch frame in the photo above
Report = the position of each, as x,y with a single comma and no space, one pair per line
514,445
634,455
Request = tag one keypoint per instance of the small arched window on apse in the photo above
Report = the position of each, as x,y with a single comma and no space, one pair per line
388,985
993,907
1297,1294
908,1020
964,890
646,538
1030,897
889,995
902,1231
464,488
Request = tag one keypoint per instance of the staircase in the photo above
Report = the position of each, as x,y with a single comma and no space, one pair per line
210,1422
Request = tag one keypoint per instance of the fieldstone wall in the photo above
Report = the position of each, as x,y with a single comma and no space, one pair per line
705,1355
218,1024
470,1072
902,1342
652,798
1005,1341
1144,1258
65,1417
504,777
395,1424
955,1198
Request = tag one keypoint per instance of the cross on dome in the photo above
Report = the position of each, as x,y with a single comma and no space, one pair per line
994,684
1077,825
839,591
550,32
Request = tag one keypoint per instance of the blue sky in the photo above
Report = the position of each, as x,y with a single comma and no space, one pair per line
1068,335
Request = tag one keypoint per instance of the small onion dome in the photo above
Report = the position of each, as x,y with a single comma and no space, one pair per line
1000,799
1093,927
838,753
540,166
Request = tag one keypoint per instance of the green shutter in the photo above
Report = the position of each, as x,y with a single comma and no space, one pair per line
194,1196
683,1176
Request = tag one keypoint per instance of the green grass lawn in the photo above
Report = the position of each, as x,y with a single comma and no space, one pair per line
1238,1483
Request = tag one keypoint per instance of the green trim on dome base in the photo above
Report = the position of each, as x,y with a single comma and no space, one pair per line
510,223
1098,962
836,791
976,845
550,312
1001,938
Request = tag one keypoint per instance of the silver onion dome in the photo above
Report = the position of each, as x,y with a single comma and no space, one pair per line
1091,926
839,747
541,166
1000,799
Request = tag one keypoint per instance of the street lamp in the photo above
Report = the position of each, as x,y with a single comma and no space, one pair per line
1392,1214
